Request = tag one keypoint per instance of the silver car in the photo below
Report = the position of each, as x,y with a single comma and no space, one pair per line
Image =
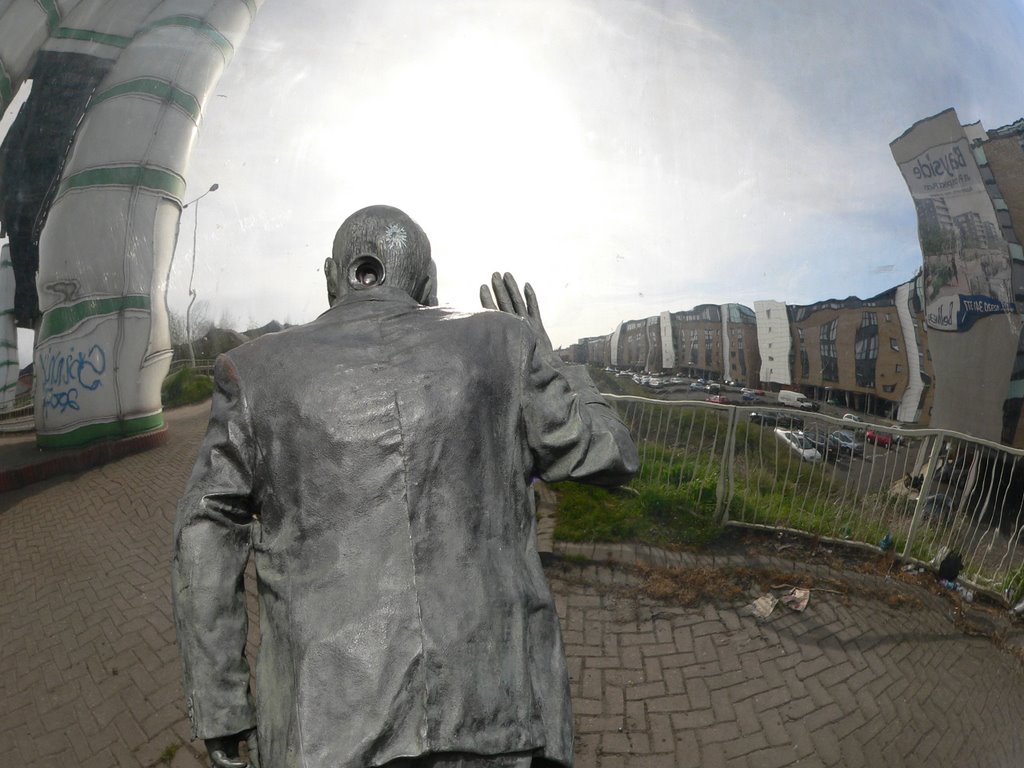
799,444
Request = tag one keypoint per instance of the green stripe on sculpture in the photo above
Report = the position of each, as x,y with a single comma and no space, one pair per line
92,36
8,386
52,14
63,319
8,345
149,86
5,363
199,25
93,432
158,179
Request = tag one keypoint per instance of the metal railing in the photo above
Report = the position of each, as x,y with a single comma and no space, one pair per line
926,494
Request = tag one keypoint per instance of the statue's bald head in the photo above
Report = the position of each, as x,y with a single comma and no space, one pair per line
381,245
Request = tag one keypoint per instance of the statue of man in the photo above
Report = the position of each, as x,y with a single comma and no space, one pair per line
376,463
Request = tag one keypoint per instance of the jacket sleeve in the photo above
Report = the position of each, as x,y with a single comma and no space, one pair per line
211,548
572,433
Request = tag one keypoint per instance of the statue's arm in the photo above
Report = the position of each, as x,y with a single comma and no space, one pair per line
211,548
572,432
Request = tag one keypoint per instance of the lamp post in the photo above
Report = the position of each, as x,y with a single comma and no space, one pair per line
192,274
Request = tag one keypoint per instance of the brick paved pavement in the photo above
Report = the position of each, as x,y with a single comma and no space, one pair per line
89,669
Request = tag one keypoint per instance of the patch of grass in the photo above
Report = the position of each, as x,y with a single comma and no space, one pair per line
185,387
657,515
169,752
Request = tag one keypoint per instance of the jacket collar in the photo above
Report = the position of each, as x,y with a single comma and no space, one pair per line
380,293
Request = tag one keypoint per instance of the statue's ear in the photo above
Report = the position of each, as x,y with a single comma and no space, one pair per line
331,275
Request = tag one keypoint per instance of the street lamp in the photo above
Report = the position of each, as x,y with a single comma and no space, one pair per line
191,290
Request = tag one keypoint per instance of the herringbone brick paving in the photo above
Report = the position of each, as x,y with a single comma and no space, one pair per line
89,671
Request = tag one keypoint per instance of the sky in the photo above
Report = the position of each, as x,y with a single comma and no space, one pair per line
625,157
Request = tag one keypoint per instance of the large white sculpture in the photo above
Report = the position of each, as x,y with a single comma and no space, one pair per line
111,216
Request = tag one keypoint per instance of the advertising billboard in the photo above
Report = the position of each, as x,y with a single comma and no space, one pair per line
966,261
966,270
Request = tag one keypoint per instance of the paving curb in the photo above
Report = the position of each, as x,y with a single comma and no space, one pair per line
45,465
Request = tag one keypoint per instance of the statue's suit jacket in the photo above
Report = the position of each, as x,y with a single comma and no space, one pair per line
376,463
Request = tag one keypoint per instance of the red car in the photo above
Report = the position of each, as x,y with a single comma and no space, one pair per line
719,399
878,438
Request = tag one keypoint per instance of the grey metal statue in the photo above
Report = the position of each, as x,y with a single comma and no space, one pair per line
377,463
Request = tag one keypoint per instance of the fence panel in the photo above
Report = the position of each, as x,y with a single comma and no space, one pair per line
924,493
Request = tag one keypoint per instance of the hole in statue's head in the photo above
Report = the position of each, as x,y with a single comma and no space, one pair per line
366,272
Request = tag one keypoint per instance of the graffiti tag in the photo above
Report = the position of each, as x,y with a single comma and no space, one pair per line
66,374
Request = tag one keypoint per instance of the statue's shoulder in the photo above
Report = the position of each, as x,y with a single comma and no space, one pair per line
271,344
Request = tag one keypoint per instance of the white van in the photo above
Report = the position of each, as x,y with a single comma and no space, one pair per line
795,400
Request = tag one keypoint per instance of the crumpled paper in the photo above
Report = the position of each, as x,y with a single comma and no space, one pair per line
797,598
763,606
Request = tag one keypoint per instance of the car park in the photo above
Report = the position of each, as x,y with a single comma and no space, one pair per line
848,442
799,444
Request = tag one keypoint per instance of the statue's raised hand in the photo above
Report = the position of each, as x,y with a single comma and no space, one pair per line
507,298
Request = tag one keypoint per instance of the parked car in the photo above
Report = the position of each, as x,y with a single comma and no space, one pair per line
696,386
823,443
749,396
676,380
773,419
655,382
799,444
853,417
796,400
882,439
847,441
718,399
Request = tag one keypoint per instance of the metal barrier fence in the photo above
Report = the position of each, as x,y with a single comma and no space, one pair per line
922,493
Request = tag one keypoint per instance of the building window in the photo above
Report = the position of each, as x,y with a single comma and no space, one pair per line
768,314
894,345
709,338
888,317
827,345
888,387
868,318
899,368
865,349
